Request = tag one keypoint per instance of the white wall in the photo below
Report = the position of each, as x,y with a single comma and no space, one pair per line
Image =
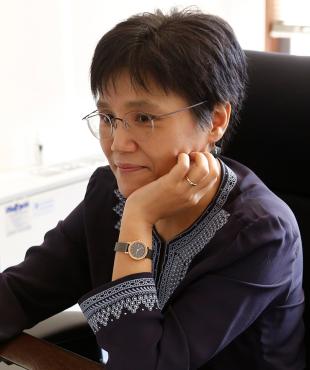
46,50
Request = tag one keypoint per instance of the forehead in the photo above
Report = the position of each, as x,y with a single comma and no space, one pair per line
123,90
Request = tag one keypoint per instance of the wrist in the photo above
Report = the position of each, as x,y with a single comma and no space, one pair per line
135,216
139,211
133,227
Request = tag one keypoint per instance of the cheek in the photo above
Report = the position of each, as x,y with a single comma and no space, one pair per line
164,155
164,162
106,148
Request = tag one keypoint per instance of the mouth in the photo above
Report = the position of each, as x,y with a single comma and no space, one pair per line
127,167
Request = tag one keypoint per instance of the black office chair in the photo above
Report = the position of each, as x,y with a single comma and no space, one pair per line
273,139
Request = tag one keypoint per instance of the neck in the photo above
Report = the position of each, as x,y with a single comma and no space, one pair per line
170,227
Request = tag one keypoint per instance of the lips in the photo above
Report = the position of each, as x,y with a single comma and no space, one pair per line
128,167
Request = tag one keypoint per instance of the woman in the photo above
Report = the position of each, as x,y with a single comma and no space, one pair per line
178,257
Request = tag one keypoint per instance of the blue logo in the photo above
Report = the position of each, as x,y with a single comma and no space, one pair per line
17,207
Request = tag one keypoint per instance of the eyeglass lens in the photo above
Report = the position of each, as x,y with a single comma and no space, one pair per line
139,124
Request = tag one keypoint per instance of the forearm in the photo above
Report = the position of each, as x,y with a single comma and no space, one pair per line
132,228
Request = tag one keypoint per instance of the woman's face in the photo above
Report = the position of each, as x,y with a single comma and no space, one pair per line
136,163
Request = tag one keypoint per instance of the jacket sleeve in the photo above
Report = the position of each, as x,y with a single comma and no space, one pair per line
203,317
51,278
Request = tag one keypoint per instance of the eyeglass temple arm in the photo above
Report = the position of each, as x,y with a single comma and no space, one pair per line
181,110
89,114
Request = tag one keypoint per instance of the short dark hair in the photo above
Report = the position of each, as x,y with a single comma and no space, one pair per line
193,54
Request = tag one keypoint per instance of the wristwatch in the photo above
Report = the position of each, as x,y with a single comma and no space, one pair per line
137,250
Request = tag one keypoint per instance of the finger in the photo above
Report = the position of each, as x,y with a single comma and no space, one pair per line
214,164
181,168
209,169
199,168
214,173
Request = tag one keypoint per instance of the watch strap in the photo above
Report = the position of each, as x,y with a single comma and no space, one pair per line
121,247
150,253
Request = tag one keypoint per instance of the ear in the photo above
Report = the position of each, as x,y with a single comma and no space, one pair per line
220,121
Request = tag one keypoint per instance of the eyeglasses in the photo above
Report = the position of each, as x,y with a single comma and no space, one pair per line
140,124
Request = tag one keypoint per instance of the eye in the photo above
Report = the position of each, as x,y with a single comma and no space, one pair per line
142,118
106,118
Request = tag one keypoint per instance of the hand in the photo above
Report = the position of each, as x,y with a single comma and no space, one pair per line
172,193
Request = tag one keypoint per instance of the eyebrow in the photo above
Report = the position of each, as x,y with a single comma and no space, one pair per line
130,104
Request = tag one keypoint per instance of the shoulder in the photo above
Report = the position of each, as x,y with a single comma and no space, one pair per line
101,186
261,232
102,174
102,177
252,204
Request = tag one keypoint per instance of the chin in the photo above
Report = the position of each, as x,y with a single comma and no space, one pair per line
126,190
128,186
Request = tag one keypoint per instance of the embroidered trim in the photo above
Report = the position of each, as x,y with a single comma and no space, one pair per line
119,208
102,308
182,250
181,253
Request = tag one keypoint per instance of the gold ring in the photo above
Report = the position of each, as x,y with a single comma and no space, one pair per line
190,181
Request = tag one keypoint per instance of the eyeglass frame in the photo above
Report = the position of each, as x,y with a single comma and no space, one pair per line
126,125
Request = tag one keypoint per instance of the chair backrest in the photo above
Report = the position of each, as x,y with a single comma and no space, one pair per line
273,137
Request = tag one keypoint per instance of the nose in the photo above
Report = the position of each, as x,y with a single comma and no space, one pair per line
122,139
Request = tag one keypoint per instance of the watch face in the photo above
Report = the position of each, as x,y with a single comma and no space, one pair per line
137,250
